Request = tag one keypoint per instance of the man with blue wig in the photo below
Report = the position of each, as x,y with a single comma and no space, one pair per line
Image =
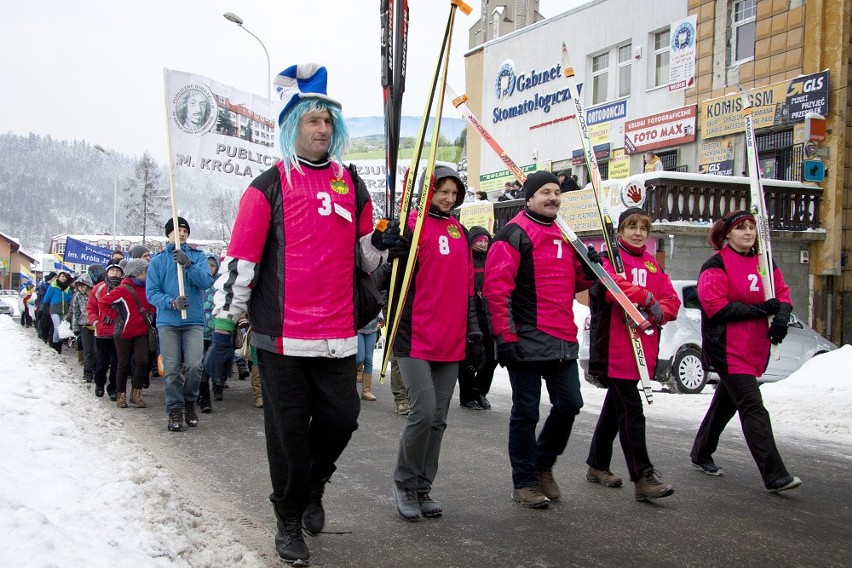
290,266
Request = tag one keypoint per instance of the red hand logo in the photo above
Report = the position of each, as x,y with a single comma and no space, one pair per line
634,194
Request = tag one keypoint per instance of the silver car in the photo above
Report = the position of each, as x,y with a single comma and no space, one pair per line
679,363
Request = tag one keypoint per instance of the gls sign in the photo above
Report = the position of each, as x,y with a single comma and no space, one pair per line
808,94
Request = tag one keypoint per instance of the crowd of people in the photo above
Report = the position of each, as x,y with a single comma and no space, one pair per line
285,297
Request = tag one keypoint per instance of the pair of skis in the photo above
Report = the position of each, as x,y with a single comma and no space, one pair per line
758,209
612,249
396,304
394,46
636,318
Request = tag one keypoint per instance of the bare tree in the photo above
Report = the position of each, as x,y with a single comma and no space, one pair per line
146,196
223,208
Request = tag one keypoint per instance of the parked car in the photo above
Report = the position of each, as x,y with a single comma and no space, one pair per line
679,363
11,299
6,309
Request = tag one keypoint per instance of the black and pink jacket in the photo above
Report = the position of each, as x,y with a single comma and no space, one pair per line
531,276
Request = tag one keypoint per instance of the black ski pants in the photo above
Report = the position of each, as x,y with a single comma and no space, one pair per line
310,411
740,393
621,413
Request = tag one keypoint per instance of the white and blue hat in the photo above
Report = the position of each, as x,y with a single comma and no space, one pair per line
298,82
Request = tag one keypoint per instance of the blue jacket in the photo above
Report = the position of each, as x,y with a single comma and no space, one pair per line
56,300
162,287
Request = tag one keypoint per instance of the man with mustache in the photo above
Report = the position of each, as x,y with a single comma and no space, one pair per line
531,276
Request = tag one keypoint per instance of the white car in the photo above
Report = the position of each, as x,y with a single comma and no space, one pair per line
679,362
13,300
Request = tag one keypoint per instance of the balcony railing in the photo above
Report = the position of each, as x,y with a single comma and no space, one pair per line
673,196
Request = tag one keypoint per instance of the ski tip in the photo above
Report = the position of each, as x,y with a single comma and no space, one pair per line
462,6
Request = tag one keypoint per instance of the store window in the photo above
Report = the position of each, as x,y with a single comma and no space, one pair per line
743,16
625,55
661,58
600,76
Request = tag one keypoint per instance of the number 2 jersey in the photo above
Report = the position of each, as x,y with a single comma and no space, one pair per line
735,347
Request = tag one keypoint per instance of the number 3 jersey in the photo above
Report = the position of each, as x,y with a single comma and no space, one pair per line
291,259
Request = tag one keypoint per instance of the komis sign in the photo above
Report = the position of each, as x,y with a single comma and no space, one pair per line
508,82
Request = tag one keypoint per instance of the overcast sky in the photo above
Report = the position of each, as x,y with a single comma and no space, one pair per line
93,70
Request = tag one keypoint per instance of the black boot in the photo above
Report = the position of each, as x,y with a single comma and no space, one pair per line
289,541
217,392
313,519
204,397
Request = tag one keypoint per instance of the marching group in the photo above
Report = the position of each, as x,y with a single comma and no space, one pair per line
303,229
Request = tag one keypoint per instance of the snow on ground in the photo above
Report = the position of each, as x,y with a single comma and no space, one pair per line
75,490
74,493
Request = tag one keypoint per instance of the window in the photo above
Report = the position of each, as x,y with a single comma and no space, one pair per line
742,29
625,53
661,58
600,74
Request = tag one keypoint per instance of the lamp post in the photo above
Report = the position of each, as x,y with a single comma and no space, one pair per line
231,17
103,150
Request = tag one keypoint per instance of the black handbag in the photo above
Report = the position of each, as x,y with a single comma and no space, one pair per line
153,334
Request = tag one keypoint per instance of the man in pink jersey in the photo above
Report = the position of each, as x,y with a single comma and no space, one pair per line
531,276
290,265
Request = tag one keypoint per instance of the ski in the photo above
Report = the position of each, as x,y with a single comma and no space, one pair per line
758,209
391,141
396,304
606,220
629,308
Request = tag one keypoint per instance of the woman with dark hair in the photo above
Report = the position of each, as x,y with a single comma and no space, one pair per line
736,336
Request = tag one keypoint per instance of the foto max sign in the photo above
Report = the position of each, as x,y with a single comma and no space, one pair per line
660,130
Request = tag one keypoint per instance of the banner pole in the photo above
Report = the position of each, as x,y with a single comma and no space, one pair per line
172,191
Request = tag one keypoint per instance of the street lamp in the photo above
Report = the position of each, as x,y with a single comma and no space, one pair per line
231,17
100,148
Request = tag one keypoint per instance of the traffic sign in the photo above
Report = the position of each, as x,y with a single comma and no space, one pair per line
813,170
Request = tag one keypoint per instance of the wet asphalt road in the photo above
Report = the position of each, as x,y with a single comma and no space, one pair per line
709,521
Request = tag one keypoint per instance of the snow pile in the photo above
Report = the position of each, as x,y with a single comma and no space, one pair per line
816,400
77,490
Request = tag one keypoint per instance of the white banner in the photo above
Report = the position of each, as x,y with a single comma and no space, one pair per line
682,53
217,129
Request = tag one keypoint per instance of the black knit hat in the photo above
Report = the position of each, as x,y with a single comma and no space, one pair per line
536,180
170,225
631,211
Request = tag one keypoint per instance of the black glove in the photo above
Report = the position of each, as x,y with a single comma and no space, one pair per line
594,255
400,250
653,310
219,354
386,239
180,303
770,307
778,329
181,258
474,354
509,354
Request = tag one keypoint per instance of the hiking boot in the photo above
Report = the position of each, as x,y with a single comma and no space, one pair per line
191,416
648,486
175,420
407,503
428,506
530,497
217,392
205,404
136,398
313,518
547,485
784,484
709,468
484,403
112,396
604,477
472,405
289,542
99,391
403,408
121,400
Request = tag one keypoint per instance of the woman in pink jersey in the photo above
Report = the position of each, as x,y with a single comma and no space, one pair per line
437,330
611,358
736,336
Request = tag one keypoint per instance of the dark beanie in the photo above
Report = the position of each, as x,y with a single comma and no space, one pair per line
536,180
170,225
631,211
